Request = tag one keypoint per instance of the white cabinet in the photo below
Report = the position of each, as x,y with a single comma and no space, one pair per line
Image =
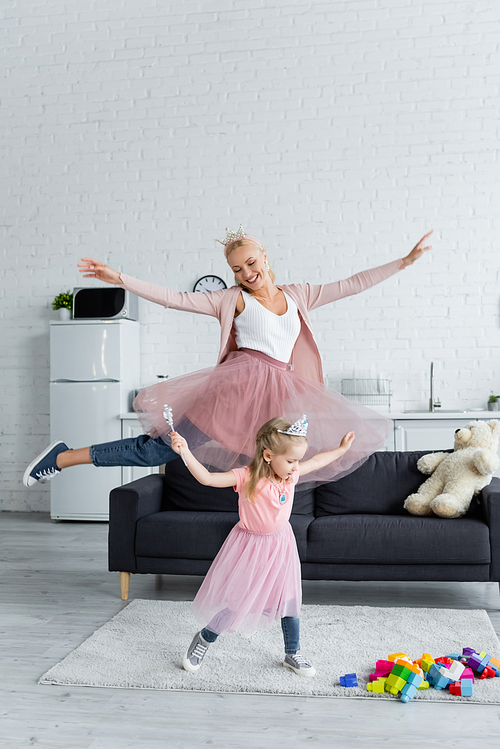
132,428
427,434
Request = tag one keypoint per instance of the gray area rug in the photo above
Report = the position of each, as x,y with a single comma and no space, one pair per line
143,645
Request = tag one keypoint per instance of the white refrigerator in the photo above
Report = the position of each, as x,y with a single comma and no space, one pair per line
94,368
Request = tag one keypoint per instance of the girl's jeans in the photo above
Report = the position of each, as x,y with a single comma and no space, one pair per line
134,451
291,631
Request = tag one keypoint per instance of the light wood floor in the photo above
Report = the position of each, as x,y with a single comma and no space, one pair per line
55,591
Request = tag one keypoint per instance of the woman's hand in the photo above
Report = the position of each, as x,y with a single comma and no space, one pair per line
94,269
179,444
417,251
346,441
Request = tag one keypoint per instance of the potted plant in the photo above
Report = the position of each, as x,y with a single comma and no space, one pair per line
64,303
493,402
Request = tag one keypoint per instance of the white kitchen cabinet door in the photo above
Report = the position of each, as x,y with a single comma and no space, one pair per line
425,434
132,428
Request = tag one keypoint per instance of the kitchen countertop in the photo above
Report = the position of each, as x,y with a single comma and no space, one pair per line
441,415
401,415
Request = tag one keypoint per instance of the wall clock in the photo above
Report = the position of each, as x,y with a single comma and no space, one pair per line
209,283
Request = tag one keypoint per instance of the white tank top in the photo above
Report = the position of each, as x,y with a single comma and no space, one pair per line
259,329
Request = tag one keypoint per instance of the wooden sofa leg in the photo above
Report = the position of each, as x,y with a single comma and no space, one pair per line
124,583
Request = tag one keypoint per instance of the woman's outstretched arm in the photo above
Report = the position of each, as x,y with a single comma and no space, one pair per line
203,304
318,295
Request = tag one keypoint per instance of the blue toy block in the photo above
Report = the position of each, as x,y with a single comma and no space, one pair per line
466,687
415,679
349,680
408,692
436,678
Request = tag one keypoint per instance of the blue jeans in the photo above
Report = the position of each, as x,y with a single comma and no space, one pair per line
291,631
133,451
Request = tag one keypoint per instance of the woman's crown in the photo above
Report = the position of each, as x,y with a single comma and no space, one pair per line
231,236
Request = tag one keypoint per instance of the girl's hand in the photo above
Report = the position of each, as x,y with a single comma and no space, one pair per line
347,441
178,443
94,269
417,251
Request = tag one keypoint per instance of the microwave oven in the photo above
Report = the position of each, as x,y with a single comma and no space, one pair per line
101,303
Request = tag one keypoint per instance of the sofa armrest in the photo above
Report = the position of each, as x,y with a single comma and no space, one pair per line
127,504
489,499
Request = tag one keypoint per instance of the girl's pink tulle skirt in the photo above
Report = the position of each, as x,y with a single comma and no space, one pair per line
254,579
220,410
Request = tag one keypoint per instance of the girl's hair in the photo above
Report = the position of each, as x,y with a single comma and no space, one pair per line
268,438
241,243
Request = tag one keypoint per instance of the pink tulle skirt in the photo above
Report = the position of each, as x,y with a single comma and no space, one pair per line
254,579
220,410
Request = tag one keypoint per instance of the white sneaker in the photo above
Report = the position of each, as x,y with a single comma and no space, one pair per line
44,467
299,664
195,653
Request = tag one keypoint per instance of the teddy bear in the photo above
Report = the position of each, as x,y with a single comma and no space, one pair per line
456,477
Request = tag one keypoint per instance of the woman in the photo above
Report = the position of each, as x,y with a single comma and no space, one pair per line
268,365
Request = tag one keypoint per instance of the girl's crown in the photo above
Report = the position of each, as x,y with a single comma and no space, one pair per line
299,429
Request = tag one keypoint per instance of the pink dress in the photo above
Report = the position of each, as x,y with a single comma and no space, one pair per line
255,578
219,410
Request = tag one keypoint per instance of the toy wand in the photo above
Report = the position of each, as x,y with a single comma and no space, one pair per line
167,413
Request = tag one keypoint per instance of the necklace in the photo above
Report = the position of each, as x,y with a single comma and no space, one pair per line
281,489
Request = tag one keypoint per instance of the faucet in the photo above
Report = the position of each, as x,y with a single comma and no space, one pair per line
433,404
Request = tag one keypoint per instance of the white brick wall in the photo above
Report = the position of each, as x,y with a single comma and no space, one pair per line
339,132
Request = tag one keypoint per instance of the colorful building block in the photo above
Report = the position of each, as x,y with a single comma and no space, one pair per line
394,684
382,668
463,688
426,663
487,673
436,678
349,680
410,689
397,656
454,671
468,673
377,686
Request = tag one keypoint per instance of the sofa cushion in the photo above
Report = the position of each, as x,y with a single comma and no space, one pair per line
379,539
183,492
183,535
379,486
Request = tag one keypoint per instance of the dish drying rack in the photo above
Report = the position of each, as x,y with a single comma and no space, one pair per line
369,392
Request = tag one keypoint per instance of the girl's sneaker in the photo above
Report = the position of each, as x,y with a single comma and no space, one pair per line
44,467
195,653
299,664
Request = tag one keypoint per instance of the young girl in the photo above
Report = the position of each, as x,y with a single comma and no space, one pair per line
255,578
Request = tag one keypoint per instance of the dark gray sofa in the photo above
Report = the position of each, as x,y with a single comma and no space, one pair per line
351,529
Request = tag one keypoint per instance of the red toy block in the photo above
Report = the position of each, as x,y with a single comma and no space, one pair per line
488,673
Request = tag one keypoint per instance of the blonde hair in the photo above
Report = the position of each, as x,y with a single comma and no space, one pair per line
268,438
241,243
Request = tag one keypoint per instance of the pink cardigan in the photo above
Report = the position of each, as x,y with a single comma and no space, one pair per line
305,359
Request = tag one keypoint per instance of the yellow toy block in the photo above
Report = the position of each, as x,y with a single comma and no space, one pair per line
424,685
394,684
426,663
394,657
376,686
425,657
